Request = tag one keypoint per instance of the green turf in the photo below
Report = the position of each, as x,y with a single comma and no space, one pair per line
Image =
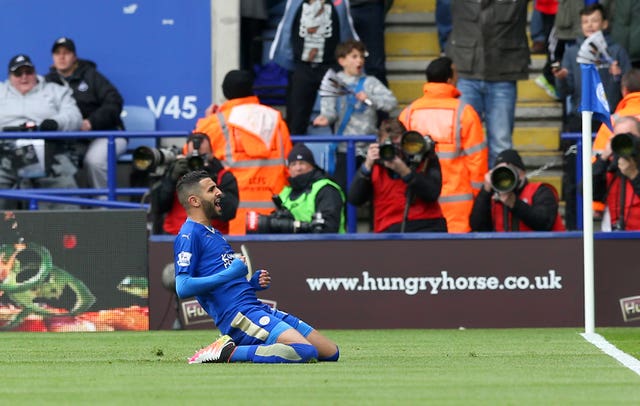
503,367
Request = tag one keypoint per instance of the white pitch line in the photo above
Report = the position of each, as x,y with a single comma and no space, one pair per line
612,351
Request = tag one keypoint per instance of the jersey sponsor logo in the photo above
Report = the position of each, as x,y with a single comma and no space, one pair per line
228,258
187,236
184,258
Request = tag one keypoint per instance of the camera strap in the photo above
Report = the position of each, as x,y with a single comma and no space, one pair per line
351,106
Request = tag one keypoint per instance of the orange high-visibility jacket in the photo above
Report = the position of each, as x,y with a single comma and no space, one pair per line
461,146
251,140
628,106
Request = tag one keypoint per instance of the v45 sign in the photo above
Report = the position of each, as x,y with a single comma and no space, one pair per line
172,106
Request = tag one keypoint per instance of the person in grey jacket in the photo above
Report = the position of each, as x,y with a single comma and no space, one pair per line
489,46
27,102
99,102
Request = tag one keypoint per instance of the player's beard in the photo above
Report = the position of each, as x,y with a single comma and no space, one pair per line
210,210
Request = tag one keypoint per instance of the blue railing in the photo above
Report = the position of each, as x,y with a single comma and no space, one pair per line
69,196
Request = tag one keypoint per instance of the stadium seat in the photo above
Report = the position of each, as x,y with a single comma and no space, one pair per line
138,118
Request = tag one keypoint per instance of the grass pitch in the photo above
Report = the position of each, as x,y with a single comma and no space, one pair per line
492,367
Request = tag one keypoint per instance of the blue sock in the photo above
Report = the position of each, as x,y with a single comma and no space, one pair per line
275,353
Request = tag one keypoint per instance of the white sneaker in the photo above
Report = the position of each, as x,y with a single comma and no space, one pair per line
219,351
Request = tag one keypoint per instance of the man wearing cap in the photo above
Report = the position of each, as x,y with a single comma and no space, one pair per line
28,102
99,101
513,203
311,192
251,140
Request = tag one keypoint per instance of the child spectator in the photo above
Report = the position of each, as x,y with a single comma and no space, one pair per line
356,112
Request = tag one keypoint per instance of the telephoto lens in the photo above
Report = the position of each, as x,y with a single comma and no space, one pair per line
625,145
504,179
387,150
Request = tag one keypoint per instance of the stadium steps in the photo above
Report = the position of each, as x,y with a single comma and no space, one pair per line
411,42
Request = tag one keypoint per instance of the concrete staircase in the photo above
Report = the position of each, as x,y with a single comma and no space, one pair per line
412,41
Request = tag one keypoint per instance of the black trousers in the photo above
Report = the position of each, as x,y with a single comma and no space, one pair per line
301,95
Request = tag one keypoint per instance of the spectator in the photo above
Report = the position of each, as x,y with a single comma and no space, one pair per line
305,44
625,29
253,19
98,100
403,188
354,113
616,180
509,202
544,14
252,141
310,194
207,267
489,47
167,211
443,23
368,21
569,86
460,141
27,101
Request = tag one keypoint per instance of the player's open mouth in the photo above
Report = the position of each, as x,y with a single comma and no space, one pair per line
217,203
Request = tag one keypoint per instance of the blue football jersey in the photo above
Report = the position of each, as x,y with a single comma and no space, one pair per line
200,251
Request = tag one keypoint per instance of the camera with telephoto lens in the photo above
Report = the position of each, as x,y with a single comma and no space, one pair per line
281,221
24,127
504,179
147,159
625,145
413,148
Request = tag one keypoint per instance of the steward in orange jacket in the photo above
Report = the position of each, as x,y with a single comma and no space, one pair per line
251,140
628,106
460,141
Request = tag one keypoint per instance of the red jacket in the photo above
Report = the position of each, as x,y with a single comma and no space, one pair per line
525,195
389,198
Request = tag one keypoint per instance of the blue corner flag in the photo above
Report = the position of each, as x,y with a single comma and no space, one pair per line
593,97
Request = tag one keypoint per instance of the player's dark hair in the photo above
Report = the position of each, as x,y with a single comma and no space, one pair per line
189,184
440,70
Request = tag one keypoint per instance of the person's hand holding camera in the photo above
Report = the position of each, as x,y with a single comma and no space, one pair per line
373,155
180,167
398,166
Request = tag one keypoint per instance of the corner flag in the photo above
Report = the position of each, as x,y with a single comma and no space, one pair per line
593,97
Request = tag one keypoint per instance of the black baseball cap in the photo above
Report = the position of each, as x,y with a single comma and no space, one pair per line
64,42
19,61
510,156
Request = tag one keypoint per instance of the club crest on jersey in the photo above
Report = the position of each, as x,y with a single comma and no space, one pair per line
184,258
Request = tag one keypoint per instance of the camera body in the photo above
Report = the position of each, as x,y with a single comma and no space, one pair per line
504,179
282,221
413,148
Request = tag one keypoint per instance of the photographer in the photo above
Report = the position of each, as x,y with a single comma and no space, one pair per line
615,177
403,182
28,103
312,203
168,213
509,202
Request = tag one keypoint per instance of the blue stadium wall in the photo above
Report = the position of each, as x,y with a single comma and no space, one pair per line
156,52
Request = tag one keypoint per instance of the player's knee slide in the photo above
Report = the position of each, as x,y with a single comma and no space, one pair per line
333,357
